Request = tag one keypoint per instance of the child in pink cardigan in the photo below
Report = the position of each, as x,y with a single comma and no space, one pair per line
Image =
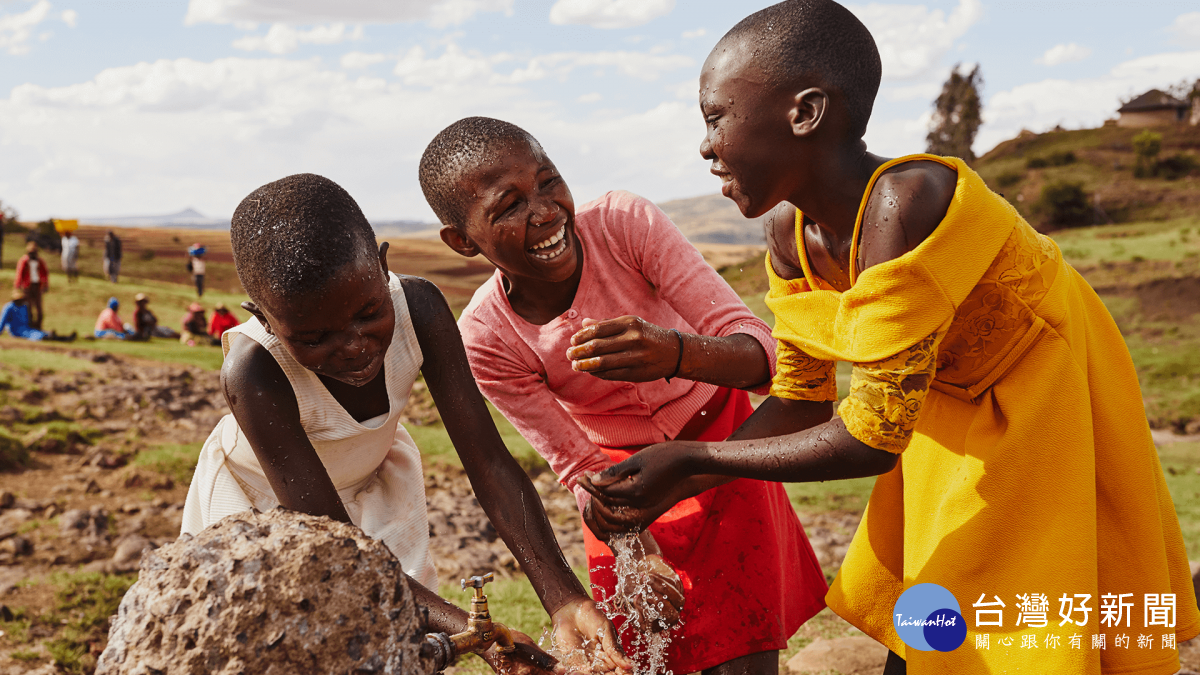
587,389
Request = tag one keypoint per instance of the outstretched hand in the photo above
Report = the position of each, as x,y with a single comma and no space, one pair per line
628,496
627,349
587,641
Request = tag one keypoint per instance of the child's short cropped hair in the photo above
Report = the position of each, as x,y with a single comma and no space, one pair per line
291,236
458,148
815,43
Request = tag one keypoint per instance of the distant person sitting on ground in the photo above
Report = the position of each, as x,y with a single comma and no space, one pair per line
15,318
145,323
112,256
195,327
196,267
222,320
70,256
34,280
108,324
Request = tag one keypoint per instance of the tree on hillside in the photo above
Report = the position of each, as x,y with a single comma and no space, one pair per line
1147,145
957,113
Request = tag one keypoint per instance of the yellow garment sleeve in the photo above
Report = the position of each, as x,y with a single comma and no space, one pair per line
886,396
800,377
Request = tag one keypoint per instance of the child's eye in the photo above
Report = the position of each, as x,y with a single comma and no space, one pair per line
551,181
313,343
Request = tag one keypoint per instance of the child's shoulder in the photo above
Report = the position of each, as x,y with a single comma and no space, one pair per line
906,204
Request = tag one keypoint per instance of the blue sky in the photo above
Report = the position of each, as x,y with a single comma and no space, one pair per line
126,107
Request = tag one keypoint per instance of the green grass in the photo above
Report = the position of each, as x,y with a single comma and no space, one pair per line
74,307
1181,464
834,495
83,603
170,459
35,360
1176,239
435,446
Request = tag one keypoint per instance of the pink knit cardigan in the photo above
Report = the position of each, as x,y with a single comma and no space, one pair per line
635,261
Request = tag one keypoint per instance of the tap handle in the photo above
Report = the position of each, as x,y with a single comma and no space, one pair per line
477,583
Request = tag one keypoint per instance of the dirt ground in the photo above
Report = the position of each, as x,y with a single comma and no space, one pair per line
86,501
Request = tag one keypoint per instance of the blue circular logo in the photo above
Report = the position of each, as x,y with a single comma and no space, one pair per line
927,618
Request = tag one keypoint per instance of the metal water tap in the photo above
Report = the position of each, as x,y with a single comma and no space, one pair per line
482,633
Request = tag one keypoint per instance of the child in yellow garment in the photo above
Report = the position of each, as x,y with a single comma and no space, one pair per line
991,390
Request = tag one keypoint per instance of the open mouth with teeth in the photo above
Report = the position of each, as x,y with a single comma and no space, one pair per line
552,247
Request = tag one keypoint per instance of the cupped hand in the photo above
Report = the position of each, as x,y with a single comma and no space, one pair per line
666,594
587,641
627,349
510,664
632,494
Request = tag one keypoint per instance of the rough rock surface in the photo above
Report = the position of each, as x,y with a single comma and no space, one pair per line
267,593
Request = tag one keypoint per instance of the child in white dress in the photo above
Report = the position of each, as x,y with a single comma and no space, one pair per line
316,381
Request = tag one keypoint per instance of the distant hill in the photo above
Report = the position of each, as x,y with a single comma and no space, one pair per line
713,219
188,218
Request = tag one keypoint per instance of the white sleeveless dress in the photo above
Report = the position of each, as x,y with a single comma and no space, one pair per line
374,465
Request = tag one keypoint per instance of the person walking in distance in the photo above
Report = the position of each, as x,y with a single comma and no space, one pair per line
112,256
196,267
70,256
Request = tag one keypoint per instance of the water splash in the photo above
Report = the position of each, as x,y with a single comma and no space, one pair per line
646,633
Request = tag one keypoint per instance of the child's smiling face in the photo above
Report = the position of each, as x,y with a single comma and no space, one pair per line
341,331
520,215
747,129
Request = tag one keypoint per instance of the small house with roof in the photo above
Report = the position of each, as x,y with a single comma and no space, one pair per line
1153,108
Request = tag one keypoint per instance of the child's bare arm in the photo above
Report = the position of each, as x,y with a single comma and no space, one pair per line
825,452
264,404
501,486
775,417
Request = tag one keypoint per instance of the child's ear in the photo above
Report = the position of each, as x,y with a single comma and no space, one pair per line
808,111
383,249
258,314
455,240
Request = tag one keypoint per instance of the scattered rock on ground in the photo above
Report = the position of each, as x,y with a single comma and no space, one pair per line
271,593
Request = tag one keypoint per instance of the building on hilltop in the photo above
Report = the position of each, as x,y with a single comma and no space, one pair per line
1154,108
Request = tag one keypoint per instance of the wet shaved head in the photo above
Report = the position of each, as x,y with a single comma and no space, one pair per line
457,149
814,43
291,236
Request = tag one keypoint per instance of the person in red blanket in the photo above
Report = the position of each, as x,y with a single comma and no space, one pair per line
33,278
222,320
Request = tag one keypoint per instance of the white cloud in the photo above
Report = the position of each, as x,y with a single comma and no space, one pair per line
1187,28
912,39
609,13
177,132
16,30
356,60
1081,103
69,17
1064,53
693,34
283,39
590,98
438,12
455,67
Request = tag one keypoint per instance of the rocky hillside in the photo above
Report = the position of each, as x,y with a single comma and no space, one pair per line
1103,161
